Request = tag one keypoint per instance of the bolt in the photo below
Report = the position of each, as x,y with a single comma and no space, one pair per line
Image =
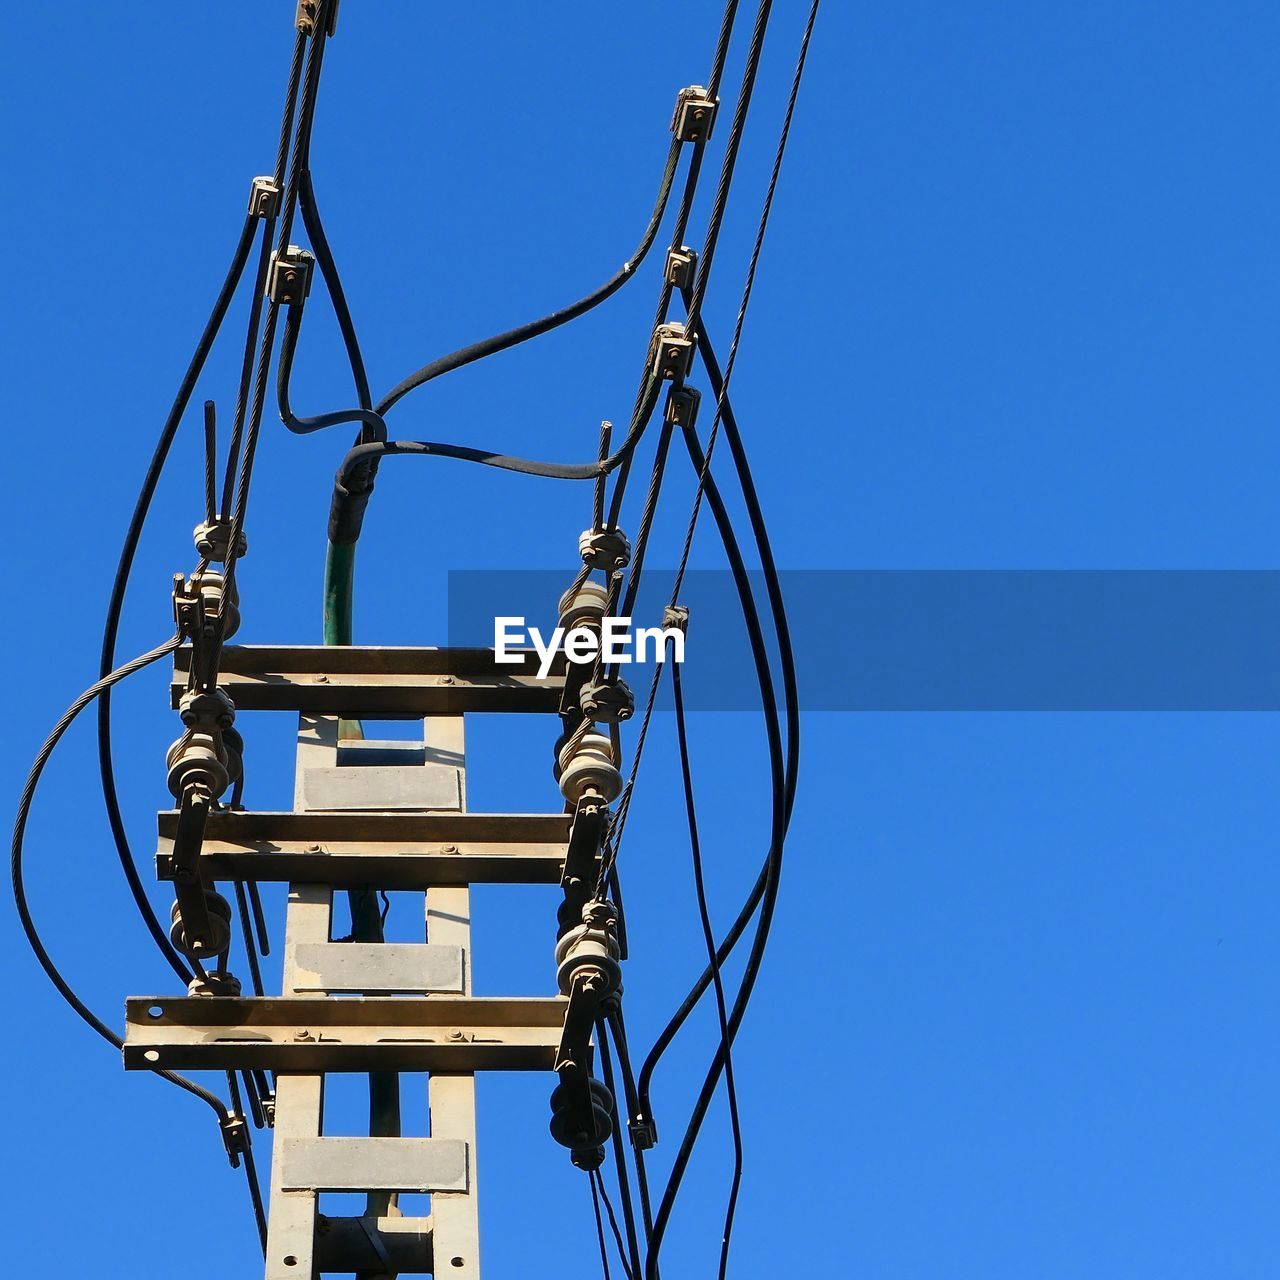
313,848
446,680
456,1035
449,848
322,679
302,1034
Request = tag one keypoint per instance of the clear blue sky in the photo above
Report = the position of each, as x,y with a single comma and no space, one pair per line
1017,310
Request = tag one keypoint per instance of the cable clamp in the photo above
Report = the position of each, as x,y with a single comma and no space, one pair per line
675,617
681,264
235,1137
694,115
264,198
644,1134
199,604
289,280
212,538
682,406
604,549
608,702
309,12
672,352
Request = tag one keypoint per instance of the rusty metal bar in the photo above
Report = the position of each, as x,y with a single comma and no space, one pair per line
358,681
317,1034
401,850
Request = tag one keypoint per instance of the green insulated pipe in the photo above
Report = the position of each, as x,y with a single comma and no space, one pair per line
366,922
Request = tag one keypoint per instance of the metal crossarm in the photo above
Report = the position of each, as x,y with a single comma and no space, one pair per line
308,1033
363,681
370,815
400,850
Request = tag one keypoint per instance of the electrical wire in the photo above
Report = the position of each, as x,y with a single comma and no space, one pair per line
704,916
595,1204
781,812
371,448
124,569
725,413
250,1167
603,1189
632,1249
297,164
535,328
264,265
19,881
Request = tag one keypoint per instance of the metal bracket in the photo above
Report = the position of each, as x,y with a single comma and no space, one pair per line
289,280
695,114
213,538
309,11
398,850
310,1034
264,198
235,1137
357,681
672,352
682,406
590,824
188,884
675,617
680,267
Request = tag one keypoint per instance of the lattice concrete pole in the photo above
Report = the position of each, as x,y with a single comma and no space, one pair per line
299,1098
356,776
452,1098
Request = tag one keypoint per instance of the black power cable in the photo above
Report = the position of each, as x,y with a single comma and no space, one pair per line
124,569
535,328
632,1250
595,1204
725,414
264,264
751,968
297,164
142,507
704,915
19,882
250,1167
613,1224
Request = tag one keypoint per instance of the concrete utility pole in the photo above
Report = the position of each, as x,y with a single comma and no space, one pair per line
372,815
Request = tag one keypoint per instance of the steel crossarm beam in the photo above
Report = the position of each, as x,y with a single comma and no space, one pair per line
318,1034
370,681
400,850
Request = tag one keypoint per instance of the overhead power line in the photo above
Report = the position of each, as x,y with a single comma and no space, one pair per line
279,283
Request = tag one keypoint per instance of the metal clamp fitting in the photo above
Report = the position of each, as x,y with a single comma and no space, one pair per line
694,115
680,267
682,406
264,198
213,537
609,702
309,11
289,280
672,352
211,710
675,617
235,1137
198,604
605,549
